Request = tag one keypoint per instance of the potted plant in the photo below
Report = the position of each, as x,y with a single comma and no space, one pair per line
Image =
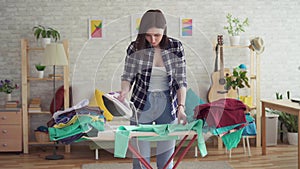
7,86
40,68
46,33
289,121
234,28
238,79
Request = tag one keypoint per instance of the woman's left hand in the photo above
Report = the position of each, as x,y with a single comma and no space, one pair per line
181,116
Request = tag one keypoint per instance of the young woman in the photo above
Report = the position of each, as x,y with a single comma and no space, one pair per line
156,68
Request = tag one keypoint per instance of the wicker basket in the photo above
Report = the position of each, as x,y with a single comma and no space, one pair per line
41,136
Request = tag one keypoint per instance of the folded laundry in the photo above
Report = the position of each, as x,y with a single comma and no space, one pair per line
71,124
81,124
79,105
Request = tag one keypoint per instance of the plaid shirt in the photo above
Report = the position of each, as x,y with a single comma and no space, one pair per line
138,68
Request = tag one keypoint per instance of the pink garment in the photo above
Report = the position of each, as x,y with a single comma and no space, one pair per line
221,113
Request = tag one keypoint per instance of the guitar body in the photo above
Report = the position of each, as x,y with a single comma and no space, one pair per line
218,89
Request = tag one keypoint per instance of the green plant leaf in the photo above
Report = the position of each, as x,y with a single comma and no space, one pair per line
288,120
43,32
235,27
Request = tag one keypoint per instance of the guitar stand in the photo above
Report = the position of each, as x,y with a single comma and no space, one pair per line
181,156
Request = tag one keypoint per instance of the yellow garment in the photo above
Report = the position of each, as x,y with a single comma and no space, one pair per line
246,100
97,100
75,118
70,122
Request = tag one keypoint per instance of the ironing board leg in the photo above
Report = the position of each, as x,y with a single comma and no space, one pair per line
139,156
185,151
148,166
176,151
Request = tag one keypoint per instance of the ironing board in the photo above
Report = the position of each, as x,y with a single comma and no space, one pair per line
186,134
109,136
181,156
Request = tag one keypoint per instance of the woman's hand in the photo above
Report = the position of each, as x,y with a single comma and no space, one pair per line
125,88
122,95
181,116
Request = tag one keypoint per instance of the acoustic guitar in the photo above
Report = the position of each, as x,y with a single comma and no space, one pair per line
218,88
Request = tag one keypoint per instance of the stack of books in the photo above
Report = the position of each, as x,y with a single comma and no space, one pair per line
12,104
35,105
56,75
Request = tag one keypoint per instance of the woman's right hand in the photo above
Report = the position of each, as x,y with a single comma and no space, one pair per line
122,96
125,88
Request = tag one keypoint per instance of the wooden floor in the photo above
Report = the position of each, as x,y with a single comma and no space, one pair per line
282,156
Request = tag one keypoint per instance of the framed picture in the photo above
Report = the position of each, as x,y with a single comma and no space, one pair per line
186,27
135,25
95,28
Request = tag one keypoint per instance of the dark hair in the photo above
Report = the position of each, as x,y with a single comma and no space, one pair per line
151,18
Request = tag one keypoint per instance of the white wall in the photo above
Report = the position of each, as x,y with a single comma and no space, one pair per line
98,61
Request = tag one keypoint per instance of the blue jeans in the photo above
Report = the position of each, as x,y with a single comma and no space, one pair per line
157,109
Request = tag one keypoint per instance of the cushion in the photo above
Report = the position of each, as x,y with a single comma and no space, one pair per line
59,99
192,100
97,100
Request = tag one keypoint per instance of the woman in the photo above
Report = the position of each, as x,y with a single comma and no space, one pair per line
155,67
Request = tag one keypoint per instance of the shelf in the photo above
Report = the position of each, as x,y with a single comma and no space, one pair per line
254,82
252,107
40,143
43,79
240,46
27,88
252,76
36,48
42,112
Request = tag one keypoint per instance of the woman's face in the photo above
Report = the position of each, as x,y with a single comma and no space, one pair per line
154,36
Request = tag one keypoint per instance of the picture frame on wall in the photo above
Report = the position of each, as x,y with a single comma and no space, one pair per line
96,28
135,25
186,27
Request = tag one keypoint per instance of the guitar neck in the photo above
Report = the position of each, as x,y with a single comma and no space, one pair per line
221,62
216,60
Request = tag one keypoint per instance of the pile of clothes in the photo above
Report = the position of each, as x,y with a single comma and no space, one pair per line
225,118
72,124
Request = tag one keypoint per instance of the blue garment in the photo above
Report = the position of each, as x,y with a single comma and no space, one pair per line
250,129
138,68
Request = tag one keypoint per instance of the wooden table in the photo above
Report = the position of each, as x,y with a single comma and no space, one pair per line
286,106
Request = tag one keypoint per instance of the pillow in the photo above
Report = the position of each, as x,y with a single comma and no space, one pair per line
97,100
192,100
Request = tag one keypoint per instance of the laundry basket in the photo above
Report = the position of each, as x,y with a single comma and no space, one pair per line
41,136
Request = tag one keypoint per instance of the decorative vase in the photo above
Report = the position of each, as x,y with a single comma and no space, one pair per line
41,74
292,138
45,41
234,40
8,96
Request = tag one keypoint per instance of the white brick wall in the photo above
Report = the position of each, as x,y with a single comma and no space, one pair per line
276,21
